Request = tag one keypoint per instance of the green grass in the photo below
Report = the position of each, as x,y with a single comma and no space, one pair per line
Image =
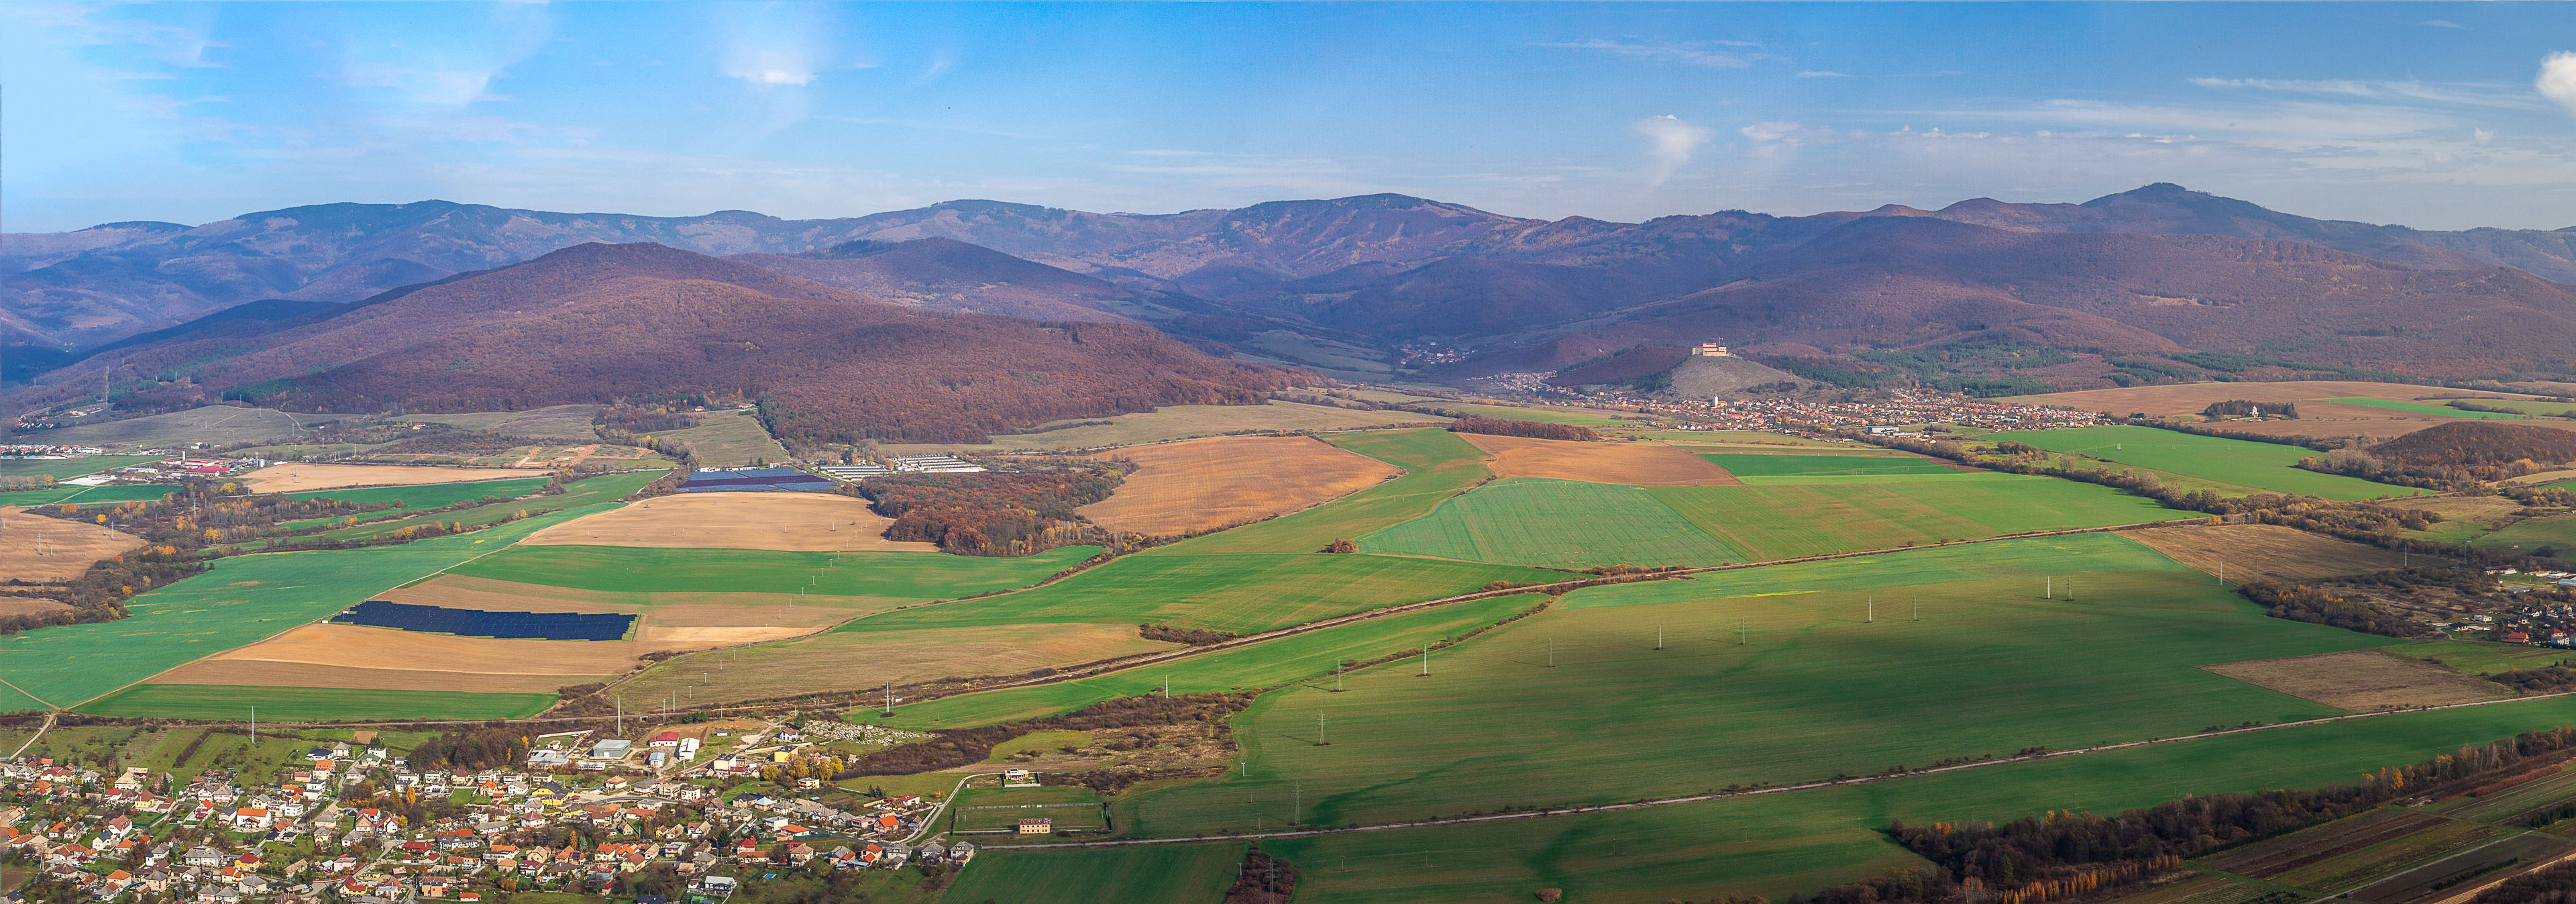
87,494
2542,407
907,575
1554,523
427,496
1778,845
2558,532
242,600
1785,521
1269,664
59,468
1179,874
1240,593
1760,469
592,491
1540,415
1172,422
2262,466
314,704
2434,410
1437,465
1817,691
723,439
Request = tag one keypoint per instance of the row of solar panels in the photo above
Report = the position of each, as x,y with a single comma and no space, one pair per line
487,623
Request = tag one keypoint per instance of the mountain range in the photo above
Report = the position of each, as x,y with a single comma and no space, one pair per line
1340,285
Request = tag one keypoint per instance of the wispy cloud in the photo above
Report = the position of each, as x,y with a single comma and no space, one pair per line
773,45
2470,94
2557,79
2443,23
1670,142
1695,53
1823,73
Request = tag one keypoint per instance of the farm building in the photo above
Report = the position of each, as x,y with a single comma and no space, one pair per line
1710,350
1037,827
856,472
936,464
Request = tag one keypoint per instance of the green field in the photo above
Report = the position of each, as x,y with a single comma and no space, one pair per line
2558,532
2262,466
591,491
2541,407
1575,417
243,600
1863,512
2434,410
1556,524
1759,469
315,704
426,496
1173,422
1267,664
1240,593
723,439
1817,690
87,494
907,575
1799,842
1437,465
59,468
1178,874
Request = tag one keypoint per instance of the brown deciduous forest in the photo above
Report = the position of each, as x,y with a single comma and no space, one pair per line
991,514
1530,429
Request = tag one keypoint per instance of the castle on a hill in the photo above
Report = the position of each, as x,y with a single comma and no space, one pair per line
1709,350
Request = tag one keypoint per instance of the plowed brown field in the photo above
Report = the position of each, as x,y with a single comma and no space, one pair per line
1633,464
1203,484
794,522
2360,680
68,547
2268,550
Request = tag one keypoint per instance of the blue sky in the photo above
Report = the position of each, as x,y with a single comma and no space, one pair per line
2431,115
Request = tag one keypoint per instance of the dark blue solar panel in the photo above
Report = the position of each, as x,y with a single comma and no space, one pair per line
487,623
755,480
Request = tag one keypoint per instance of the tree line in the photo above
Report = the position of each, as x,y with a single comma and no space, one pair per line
993,514
1530,429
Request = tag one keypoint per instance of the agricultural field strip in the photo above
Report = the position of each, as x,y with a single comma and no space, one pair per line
1776,789
148,678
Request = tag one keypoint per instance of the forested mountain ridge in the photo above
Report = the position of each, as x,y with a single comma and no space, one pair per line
597,322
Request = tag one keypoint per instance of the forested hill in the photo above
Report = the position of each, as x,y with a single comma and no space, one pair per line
597,322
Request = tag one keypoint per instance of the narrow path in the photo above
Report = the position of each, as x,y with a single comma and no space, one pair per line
1776,789
930,824
40,730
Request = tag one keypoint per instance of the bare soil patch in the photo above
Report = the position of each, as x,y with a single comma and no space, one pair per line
2363,680
659,610
2268,550
26,605
1204,484
2191,398
38,548
794,522
327,655
289,478
261,673
1633,464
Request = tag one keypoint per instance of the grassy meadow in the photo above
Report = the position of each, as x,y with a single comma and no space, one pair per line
1240,593
2434,410
415,498
1176,873
723,439
242,600
592,491
633,569
2260,466
1557,524
60,468
1815,691
50,495
285,704
1792,520
1759,468
2557,532
1172,422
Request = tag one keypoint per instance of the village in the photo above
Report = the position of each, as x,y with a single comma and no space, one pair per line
654,818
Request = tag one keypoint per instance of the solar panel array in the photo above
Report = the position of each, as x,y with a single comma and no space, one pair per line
486,623
756,480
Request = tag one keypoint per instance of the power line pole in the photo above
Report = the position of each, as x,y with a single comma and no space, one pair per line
1551,652
1869,615
1426,661
2048,587
1659,637
1743,634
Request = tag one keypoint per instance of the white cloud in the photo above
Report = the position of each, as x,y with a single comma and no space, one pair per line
2480,95
1670,142
770,65
2482,136
1695,53
773,45
2557,79
1823,73
2443,23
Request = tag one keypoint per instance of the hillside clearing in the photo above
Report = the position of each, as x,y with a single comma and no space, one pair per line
804,522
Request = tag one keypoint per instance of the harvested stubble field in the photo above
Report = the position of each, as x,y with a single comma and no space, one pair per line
291,477
283,704
1784,521
1203,484
1809,689
1556,524
242,600
1633,464
845,661
796,522
41,549
27,605
2258,465
1437,465
2364,680
1172,422
1267,664
2269,550
2191,398
353,656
